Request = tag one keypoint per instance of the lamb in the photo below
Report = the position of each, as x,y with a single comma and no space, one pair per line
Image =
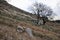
21,29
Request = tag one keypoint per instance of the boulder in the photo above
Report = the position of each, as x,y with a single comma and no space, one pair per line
29,32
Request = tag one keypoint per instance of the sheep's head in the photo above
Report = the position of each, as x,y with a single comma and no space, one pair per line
20,29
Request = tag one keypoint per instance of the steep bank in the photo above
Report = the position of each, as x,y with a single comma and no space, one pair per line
11,16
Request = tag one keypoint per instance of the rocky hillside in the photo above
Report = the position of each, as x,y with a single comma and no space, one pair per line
11,17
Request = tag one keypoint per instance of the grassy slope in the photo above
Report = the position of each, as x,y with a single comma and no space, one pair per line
10,17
